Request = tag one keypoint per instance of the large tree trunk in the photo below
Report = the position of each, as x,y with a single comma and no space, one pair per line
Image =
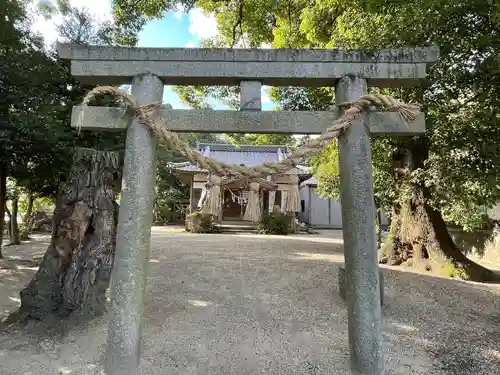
28,219
418,234
3,196
75,271
15,238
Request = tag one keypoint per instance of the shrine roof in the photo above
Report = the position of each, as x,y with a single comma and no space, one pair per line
248,155
309,182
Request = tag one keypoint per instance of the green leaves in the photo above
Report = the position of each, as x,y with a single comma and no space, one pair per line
459,154
324,167
260,139
38,92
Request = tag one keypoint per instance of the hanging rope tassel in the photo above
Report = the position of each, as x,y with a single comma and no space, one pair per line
293,196
353,110
272,196
253,212
212,204
284,199
272,199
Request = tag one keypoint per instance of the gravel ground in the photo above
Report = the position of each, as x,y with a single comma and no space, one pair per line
248,304
17,269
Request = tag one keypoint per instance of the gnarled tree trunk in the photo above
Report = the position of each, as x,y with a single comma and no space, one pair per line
418,232
75,271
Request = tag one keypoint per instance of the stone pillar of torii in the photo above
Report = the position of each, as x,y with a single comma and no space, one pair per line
148,69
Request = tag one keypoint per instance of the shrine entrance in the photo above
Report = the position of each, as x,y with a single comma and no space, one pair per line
235,194
354,120
234,203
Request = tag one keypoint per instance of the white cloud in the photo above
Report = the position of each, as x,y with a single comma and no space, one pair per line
190,44
241,43
201,25
40,25
100,10
204,26
179,11
265,94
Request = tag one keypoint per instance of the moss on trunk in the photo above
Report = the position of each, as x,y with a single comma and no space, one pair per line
419,238
418,234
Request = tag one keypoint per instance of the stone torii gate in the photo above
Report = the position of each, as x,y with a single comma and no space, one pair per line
149,69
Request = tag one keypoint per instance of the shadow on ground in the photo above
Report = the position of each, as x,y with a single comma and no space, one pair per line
455,321
18,266
247,304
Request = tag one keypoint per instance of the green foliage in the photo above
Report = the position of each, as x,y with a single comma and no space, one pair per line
260,139
460,153
13,30
170,206
451,270
302,98
461,139
324,167
38,92
172,195
131,16
198,222
39,204
276,223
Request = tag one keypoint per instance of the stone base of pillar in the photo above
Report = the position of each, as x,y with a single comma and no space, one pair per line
342,286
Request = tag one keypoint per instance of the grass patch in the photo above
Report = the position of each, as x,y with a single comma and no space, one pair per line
276,223
198,222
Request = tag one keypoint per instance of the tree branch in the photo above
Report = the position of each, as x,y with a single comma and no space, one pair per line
238,23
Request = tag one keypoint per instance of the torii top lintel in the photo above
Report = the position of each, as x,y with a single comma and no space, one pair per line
224,66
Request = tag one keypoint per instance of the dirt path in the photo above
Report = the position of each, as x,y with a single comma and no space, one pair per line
16,270
247,304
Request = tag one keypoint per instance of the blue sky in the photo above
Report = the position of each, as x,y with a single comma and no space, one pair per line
175,29
171,31
179,29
